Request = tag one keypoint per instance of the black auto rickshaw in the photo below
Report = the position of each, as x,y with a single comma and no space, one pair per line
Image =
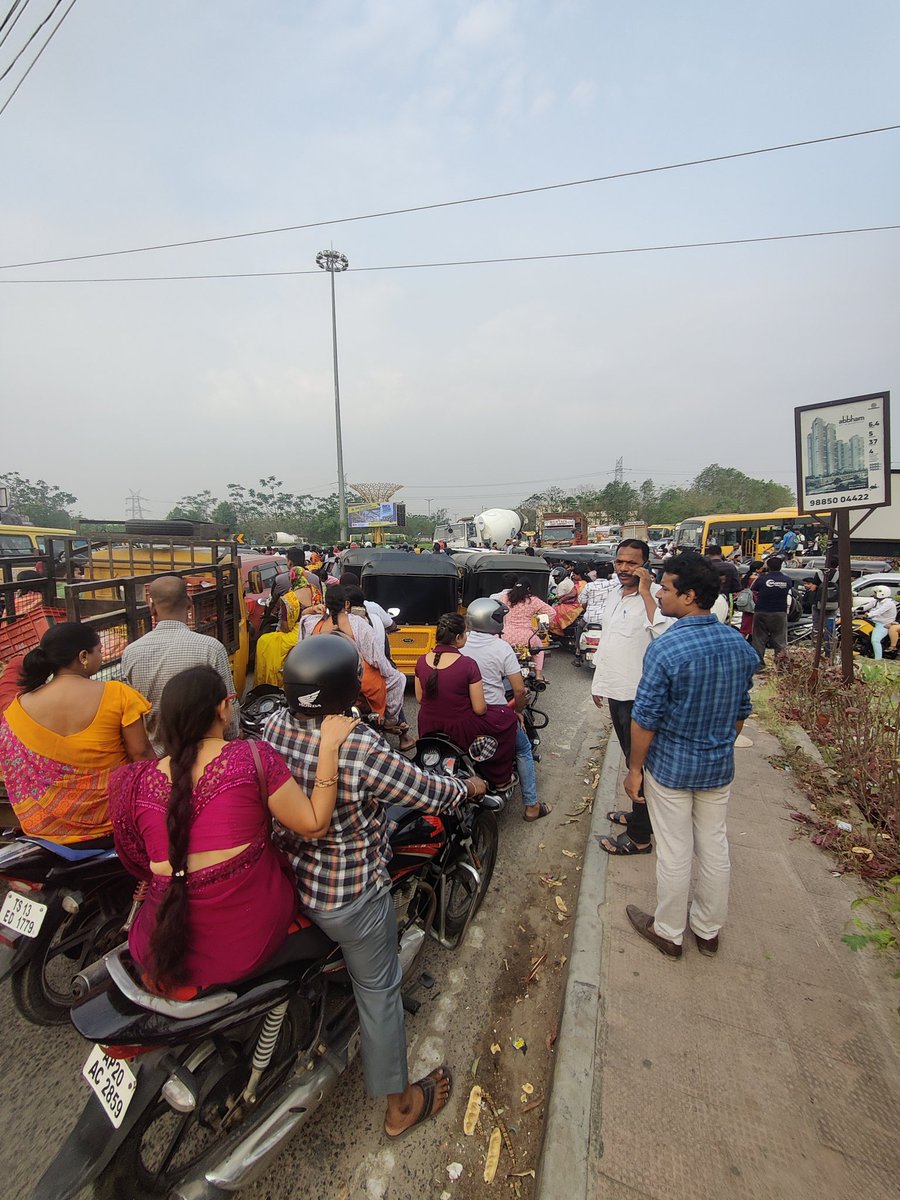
421,587
588,557
484,574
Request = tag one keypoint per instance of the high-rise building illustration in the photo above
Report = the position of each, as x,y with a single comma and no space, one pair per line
829,454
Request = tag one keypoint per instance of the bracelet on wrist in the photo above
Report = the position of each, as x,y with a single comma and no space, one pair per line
326,782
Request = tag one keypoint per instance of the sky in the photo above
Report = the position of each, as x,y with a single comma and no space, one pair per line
473,386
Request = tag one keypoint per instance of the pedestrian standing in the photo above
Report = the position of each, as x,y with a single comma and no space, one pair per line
169,648
692,701
631,620
772,595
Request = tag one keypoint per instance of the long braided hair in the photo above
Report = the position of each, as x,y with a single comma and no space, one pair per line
187,710
449,627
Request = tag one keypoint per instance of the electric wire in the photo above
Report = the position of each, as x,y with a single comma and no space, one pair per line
39,53
469,262
9,14
529,191
24,5
49,15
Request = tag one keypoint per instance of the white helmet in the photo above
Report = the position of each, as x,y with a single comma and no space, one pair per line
882,592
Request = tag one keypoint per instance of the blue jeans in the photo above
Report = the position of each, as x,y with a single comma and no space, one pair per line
525,767
879,633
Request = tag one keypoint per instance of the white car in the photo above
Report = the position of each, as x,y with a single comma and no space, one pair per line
866,584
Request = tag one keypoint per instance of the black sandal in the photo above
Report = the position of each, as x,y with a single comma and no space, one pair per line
624,845
428,1086
543,811
618,816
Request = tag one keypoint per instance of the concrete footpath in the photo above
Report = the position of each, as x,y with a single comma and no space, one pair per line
770,1072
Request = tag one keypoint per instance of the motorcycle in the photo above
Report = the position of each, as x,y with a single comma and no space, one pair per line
533,718
193,1099
63,907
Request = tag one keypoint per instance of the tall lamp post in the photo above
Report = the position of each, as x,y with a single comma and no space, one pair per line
332,261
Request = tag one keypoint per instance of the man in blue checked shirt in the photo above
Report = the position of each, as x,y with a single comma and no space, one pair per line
691,703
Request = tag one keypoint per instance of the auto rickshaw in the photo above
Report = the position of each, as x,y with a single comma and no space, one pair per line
421,587
483,574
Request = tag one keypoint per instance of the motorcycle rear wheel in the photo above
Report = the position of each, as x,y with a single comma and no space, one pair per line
465,896
42,989
164,1145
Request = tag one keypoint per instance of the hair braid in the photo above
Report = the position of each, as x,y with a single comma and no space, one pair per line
187,710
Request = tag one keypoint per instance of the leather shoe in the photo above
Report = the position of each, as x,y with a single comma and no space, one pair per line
707,946
643,923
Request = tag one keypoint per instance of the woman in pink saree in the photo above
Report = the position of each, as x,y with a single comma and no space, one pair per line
196,827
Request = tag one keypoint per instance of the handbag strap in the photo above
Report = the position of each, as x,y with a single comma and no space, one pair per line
260,773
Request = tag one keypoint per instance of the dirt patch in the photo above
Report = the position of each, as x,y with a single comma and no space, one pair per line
513,1063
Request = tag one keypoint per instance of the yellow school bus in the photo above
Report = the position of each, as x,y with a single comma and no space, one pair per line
753,534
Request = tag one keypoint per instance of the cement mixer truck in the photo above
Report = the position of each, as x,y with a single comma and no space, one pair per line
492,525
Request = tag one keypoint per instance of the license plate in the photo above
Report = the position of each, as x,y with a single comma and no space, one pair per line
22,914
113,1083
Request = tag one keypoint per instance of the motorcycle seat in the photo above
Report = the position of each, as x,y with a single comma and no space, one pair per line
99,849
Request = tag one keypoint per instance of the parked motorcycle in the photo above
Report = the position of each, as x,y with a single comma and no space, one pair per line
62,907
193,1099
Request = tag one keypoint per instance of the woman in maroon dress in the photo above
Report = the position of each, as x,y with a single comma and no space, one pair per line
451,699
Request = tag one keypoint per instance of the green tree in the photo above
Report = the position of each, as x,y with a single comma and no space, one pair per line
726,489
194,508
619,501
41,502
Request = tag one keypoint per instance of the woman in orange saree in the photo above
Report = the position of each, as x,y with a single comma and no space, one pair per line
64,734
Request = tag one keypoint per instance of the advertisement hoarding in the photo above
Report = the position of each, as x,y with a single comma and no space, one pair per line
371,516
843,453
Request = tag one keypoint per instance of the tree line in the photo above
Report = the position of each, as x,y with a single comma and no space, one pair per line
266,508
714,490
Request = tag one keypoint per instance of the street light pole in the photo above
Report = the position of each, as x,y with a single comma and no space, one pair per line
332,261
428,500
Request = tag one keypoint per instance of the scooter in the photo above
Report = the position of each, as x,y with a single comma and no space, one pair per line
862,637
62,907
193,1099
588,641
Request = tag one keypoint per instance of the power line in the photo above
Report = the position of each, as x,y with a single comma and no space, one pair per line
472,262
395,212
15,19
39,53
48,17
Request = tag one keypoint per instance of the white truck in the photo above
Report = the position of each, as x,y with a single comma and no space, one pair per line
480,532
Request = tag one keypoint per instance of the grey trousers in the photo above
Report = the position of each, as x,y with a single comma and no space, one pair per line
366,931
769,629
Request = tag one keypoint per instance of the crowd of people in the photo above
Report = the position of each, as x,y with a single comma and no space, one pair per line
217,826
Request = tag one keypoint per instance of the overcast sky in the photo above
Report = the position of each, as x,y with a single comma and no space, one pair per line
471,385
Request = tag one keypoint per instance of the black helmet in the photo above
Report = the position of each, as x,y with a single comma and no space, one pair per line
486,615
322,676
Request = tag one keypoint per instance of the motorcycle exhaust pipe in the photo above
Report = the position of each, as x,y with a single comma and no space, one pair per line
250,1151
227,1169
91,980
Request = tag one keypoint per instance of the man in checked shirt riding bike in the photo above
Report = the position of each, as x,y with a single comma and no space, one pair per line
342,878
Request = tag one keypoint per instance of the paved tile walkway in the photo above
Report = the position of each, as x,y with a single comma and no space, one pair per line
771,1072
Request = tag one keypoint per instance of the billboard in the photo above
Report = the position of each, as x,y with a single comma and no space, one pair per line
371,516
843,453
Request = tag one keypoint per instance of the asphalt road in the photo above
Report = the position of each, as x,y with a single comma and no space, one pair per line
481,998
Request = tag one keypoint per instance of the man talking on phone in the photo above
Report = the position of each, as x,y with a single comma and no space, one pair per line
631,621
